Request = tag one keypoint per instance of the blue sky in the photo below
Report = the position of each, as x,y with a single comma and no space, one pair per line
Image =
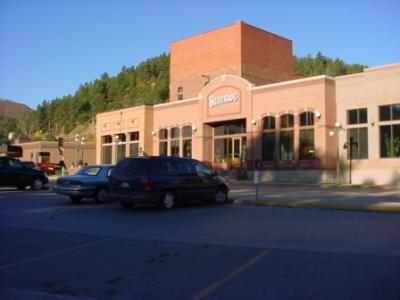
48,48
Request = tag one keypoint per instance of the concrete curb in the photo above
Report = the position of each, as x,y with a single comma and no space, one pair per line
311,184
380,207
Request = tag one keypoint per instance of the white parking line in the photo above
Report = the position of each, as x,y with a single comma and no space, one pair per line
34,259
205,292
64,207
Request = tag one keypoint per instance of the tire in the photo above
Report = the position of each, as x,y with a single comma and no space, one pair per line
37,184
220,196
21,187
75,199
127,205
100,195
167,200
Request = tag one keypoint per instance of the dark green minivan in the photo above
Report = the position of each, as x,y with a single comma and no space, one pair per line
164,181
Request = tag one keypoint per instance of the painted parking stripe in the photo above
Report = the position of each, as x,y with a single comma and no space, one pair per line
34,259
205,292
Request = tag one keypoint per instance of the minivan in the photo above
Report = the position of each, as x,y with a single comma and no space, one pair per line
164,181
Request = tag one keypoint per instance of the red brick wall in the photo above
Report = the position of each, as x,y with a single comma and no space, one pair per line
238,49
212,53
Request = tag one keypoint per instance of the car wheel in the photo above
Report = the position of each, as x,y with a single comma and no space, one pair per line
167,200
127,205
220,196
21,187
37,184
75,199
100,195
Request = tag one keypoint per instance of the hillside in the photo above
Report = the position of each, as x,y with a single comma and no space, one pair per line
12,110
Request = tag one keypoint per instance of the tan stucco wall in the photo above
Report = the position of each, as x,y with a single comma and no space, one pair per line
370,89
139,118
314,94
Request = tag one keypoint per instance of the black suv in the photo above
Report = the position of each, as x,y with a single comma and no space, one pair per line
14,173
164,181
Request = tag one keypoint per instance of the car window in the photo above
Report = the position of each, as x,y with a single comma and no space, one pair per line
89,171
15,164
132,167
202,170
185,167
165,168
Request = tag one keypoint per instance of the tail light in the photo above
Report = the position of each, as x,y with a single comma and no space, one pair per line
147,185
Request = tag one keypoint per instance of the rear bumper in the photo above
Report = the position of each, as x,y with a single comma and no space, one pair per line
134,197
84,193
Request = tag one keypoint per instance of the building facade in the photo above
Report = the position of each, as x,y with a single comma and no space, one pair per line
235,100
74,154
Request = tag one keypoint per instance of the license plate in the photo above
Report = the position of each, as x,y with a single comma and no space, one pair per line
125,184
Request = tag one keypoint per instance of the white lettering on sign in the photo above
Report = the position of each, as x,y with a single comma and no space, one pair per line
219,100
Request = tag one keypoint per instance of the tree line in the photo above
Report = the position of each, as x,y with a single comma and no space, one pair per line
147,83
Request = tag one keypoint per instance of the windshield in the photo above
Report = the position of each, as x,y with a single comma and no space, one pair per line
89,171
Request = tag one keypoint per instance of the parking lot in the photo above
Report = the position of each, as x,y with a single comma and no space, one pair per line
54,249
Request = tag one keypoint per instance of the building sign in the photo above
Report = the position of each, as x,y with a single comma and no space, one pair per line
223,99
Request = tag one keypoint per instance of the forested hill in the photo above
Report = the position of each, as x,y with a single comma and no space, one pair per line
320,65
147,83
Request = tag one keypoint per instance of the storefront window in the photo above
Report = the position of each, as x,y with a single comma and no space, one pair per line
357,116
106,154
307,118
121,137
163,150
134,136
307,144
287,145
287,121
286,137
390,140
175,133
360,136
175,141
187,148
175,148
268,145
268,139
163,146
163,134
121,152
219,150
106,139
187,141
389,112
134,149
232,127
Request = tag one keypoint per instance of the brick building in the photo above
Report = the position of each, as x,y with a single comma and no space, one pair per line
235,99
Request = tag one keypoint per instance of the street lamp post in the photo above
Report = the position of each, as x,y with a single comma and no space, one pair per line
76,148
83,146
338,127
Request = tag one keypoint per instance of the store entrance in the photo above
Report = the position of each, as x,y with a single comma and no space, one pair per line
229,144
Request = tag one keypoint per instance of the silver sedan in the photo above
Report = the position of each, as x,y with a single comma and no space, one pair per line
88,182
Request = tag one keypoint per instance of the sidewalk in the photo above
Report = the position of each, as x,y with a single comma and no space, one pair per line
343,197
